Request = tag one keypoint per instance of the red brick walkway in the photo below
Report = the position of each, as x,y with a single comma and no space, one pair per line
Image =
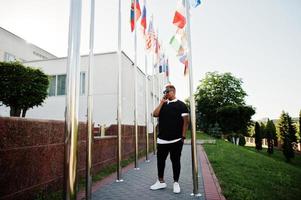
211,185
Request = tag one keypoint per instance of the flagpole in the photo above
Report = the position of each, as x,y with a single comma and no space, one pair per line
146,95
119,93
158,59
146,111
192,108
154,103
89,142
135,91
72,102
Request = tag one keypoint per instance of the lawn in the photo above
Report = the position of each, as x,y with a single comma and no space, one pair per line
244,173
199,135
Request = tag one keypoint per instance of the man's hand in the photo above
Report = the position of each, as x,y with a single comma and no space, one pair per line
163,100
157,110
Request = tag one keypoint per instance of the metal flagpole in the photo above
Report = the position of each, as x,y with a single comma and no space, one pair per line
72,99
89,142
154,104
192,108
135,91
146,111
119,93
146,105
158,59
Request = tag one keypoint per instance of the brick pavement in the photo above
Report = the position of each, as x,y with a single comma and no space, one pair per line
136,182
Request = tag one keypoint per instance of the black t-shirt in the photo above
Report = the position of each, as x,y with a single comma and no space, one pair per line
171,120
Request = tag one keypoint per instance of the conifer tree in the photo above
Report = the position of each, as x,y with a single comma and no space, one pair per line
258,138
270,135
287,133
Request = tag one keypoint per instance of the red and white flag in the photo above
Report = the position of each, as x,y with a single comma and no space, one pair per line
179,19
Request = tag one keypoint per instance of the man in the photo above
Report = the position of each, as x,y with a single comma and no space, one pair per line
173,124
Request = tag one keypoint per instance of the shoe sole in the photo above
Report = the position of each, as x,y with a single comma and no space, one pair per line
158,188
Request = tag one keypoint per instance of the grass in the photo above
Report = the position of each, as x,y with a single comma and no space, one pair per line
244,173
199,135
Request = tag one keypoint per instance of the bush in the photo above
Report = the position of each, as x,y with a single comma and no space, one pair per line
242,140
21,88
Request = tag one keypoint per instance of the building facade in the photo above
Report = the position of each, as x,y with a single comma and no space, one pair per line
104,91
12,48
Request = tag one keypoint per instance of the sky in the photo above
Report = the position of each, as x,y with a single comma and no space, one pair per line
258,41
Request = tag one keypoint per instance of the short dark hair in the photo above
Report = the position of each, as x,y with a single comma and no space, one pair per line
170,87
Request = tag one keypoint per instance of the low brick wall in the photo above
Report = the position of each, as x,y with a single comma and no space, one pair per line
32,154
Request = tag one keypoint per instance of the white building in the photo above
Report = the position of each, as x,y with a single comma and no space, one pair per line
14,48
105,90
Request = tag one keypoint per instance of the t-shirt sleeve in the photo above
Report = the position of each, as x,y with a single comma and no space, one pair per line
184,110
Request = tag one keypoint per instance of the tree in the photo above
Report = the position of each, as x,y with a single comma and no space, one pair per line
270,131
258,138
235,118
262,130
300,126
21,88
213,93
287,133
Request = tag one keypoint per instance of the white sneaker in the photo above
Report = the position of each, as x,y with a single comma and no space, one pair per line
158,185
176,187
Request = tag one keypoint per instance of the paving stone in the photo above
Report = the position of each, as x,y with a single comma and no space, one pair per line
137,182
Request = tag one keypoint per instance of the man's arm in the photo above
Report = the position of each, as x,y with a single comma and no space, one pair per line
157,110
185,125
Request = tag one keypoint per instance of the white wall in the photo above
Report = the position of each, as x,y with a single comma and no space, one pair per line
105,91
18,47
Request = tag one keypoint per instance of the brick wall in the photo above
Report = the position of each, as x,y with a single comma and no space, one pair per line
32,154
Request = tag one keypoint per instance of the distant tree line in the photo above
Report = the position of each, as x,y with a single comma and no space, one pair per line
287,132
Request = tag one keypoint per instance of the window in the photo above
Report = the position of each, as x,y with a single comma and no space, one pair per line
52,86
82,86
61,84
9,57
57,84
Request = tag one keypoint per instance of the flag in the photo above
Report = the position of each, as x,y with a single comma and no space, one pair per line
156,45
185,67
138,13
150,35
143,19
195,3
166,68
175,42
179,19
179,40
162,63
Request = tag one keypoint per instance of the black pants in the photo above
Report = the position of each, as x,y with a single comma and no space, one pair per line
175,150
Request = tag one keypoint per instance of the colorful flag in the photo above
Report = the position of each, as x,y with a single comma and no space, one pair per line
162,63
195,3
185,67
138,13
143,19
179,19
175,42
156,45
166,68
150,35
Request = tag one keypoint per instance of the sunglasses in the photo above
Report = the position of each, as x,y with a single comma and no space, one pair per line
166,91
